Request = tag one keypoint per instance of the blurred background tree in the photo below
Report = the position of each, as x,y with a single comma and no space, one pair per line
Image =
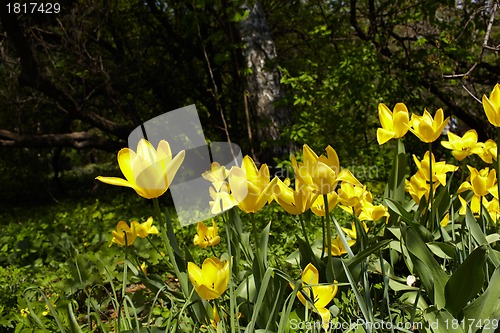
267,75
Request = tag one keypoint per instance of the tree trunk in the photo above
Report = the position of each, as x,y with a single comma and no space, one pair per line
264,89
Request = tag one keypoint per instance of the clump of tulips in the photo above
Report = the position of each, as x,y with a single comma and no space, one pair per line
437,236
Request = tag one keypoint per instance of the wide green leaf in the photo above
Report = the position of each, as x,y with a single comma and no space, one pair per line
466,281
486,307
428,269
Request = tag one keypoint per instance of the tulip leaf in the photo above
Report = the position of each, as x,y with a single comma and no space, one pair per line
466,281
428,269
474,228
395,188
398,209
478,235
485,307
260,299
441,321
358,258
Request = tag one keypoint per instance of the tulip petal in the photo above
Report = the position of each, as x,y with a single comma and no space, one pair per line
384,135
173,167
310,274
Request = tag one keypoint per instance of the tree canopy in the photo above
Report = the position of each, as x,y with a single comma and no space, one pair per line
85,77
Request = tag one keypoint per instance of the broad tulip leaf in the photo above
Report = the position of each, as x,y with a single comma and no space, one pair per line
485,307
478,235
433,277
441,321
466,281
396,184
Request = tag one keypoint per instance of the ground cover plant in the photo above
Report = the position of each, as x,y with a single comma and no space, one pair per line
314,252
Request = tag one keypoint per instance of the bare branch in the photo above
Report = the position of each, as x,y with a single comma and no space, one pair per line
78,140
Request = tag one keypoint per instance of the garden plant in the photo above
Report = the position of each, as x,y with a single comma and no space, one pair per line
424,256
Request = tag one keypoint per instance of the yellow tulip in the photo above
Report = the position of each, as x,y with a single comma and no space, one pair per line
493,208
439,169
210,281
338,248
222,200
251,187
353,196
125,235
144,268
149,172
321,295
487,151
371,212
394,124
219,191
491,106
206,236
321,173
461,147
296,201
318,205
426,128
217,176
481,182
352,232
146,228
418,187
445,220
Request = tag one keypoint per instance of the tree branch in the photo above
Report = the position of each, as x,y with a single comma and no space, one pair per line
78,140
32,77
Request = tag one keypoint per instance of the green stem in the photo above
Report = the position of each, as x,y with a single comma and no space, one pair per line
498,163
328,231
431,194
232,299
323,235
303,229
170,252
254,231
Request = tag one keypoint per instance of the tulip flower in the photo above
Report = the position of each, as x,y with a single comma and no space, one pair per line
210,281
321,295
251,187
352,232
206,236
321,173
296,201
426,128
144,268
222,200
461,147
371,212
445,220
149,172
146,228
491,106
493,208
353,197
418,187
439,169
125,235
219,191
338,248
394,124
318,205
217,176
481,182
487,151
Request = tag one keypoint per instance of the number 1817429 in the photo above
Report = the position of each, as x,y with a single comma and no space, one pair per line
33,8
